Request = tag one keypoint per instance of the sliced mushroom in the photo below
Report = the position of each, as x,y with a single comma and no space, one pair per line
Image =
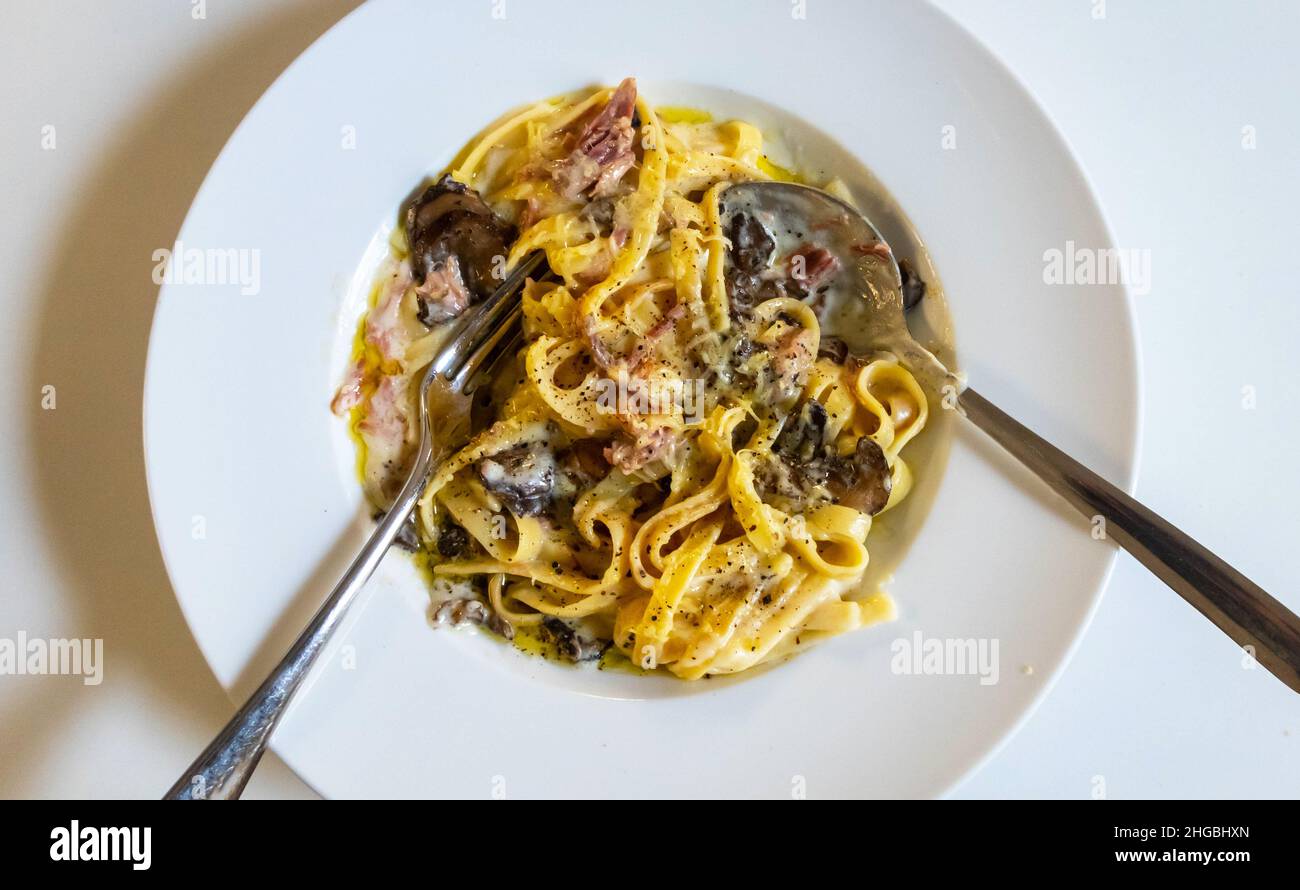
522,478
458,242
453,540
810,471
861,480
833,348
752,245
913,286
804,437
782,484
571,645
464,610
749,256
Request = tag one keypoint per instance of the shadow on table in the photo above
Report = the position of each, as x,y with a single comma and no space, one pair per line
92,338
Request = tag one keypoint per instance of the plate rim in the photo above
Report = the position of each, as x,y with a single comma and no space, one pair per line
1128,485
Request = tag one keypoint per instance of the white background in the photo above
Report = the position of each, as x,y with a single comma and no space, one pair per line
1153,97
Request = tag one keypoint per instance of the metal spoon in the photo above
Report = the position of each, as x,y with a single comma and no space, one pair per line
1268,630
225,766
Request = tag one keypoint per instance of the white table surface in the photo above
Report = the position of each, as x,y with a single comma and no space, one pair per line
1153,97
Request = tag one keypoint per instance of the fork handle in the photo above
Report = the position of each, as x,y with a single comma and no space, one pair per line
1268,630
225,766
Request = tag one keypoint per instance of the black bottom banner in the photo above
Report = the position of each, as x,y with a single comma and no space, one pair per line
141,838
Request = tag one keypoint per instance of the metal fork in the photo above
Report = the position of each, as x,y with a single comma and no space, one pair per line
482,338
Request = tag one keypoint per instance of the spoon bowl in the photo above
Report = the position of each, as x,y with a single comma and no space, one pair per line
868,276
801,217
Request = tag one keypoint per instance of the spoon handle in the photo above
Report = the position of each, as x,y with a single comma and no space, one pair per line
1268,630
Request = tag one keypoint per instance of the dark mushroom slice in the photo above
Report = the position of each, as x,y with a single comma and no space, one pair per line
781,484
453,541
452,233
743,432
752,245
522,478
750,255
746,290
464,610
569,644
861,480
803,438
833,348
808,469
913,286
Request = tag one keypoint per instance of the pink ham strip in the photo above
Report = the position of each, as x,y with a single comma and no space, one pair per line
385,427
350,393
603,153
384,332
630,455
384,329
819,264
443,293
647,344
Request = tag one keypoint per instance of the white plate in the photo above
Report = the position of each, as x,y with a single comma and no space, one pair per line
253,485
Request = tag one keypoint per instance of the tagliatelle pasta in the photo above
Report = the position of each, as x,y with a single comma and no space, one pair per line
679,465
